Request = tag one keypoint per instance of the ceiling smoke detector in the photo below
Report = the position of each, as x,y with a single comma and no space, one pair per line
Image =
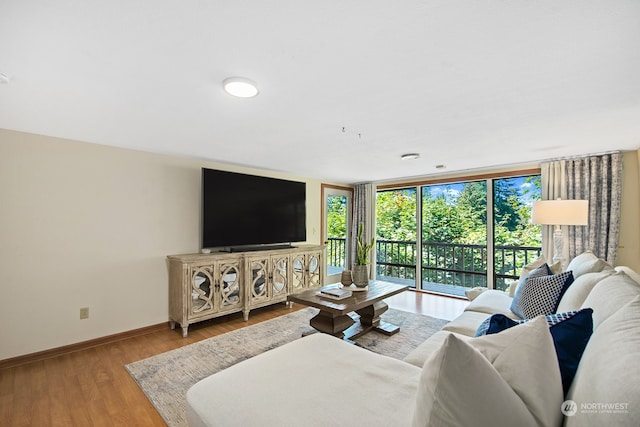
4,79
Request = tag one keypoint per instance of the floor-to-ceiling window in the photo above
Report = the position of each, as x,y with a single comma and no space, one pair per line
457,235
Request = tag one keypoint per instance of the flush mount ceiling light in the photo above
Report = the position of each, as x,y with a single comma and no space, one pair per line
4,79
240,87
410,156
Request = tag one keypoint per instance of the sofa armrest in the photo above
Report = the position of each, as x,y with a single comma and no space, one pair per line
492,301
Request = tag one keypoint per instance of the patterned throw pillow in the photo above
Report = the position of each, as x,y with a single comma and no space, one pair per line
539,271
540,295
570,332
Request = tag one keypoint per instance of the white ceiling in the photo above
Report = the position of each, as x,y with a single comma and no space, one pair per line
468,84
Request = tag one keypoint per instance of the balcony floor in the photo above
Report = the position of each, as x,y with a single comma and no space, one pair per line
439,288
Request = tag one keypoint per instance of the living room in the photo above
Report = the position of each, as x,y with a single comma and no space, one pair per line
89,222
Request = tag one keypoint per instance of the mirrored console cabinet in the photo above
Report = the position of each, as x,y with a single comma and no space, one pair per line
204,286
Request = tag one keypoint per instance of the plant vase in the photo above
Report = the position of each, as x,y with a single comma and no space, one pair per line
360,275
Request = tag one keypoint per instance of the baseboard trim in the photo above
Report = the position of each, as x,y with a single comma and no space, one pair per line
71,348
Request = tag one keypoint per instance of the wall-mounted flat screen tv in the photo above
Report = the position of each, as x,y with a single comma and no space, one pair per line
249,210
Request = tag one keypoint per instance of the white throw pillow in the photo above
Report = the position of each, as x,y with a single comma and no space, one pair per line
584,263
579,291
505,379
556,268
605,388
473,293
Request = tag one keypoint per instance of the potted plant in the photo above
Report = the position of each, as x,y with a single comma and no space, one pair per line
363,251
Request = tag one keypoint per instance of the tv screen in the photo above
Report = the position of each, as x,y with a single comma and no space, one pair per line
249,210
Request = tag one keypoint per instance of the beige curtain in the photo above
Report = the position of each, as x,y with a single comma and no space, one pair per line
554,186
364,212
597,179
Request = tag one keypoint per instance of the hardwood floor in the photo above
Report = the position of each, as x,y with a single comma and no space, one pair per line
92,388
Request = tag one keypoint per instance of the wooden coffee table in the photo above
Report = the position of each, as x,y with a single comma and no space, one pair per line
334,317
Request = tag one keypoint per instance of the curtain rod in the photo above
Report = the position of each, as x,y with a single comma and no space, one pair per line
582,156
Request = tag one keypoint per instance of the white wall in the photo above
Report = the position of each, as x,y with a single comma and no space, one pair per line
84,225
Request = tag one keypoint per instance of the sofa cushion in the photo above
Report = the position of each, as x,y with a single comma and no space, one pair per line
420,354
492,301
579,290
605,389
510,378
570,332
609,295
355,386
466,324
540,295
584,263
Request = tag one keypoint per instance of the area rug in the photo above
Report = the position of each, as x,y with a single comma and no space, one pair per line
165,378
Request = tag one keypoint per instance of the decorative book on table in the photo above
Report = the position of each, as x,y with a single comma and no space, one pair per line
335,293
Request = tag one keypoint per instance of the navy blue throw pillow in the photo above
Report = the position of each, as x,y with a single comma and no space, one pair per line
570,338
500,322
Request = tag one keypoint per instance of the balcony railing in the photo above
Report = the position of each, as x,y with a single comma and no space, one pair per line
336,248
446,267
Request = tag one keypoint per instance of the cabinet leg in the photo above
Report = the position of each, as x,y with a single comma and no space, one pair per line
185,331
245,315
172,324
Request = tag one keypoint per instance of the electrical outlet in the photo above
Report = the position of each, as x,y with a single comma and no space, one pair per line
84,313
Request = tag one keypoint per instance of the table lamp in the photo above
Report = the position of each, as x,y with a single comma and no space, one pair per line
560,212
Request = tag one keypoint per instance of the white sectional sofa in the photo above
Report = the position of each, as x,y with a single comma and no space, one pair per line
452,379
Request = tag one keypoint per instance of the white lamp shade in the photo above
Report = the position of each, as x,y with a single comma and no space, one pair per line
560,212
